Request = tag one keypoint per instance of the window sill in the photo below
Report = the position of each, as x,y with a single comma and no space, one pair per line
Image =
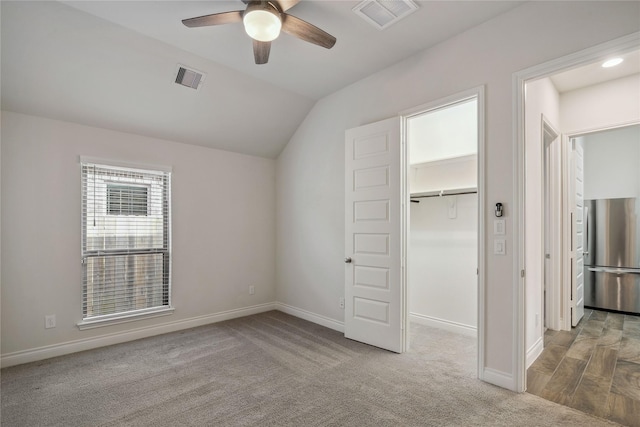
99,322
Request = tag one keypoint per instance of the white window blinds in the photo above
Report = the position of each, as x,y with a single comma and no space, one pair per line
125,240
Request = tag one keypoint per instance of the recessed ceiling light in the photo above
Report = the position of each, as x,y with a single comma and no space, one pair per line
612,62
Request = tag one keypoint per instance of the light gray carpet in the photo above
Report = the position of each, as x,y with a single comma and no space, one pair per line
270,369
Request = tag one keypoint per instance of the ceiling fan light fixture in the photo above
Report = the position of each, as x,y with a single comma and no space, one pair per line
261,24
263,20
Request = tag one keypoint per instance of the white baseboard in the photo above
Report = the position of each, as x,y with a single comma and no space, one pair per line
534,352
40,353
501,379
311,317
444,324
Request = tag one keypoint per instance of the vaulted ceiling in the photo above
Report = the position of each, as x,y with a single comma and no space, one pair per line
112,65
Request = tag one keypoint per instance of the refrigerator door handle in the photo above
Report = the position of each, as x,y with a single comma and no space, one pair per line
586,232
613,270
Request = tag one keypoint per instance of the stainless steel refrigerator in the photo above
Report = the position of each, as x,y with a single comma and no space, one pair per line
612,254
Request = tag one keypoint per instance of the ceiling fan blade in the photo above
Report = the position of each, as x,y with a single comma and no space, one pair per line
286,4
261,51
214,19
307,32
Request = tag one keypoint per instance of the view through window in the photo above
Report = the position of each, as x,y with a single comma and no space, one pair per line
125,241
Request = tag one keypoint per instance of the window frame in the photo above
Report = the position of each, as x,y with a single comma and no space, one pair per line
135,314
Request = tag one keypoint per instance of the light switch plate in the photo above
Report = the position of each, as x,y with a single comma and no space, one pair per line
452,207
499,246
499,227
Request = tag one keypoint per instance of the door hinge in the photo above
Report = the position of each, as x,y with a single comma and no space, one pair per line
521,273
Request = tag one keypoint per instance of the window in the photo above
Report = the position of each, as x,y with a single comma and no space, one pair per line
126,247
126,200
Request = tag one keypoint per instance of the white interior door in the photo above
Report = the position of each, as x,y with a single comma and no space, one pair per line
577,292
373,235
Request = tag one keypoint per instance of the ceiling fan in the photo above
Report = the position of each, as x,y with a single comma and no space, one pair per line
263,21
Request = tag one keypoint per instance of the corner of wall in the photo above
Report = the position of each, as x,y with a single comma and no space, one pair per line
534,351
499,378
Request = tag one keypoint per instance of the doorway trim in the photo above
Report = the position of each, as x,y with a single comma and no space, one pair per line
552,212
519,79
478,93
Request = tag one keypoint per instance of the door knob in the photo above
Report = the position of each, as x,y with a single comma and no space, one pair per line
347,260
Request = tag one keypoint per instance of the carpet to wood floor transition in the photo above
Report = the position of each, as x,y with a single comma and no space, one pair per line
271,369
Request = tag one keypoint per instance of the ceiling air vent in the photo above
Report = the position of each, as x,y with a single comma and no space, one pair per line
384,13
189,77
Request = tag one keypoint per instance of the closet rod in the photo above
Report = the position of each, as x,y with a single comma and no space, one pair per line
441,194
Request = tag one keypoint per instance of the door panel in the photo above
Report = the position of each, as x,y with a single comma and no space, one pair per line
578,235
373,270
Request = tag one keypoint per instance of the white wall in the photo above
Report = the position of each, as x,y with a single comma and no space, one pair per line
542,98
310,171
450,174
443,248
600,106
223,232
611,160
443,133
443,257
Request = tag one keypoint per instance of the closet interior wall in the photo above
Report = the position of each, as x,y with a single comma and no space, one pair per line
443,244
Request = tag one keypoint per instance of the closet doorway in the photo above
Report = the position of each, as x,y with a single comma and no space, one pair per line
443,234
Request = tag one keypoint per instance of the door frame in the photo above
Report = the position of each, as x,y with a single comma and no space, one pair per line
552,212
519,79
477,92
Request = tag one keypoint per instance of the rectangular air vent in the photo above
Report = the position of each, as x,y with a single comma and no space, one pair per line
384,13
189,77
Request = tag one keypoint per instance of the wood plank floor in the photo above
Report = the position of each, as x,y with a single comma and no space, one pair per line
594,368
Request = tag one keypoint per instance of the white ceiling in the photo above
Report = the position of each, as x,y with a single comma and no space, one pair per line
295,65
591,74
111,64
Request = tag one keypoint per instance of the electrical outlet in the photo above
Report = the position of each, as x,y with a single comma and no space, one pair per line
252,290
341,302
50,321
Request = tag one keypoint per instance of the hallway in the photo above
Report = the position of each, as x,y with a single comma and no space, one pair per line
594,368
